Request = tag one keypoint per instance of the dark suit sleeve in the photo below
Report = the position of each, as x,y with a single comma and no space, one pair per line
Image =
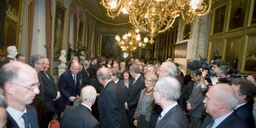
62,86
112,109
85,78
47,90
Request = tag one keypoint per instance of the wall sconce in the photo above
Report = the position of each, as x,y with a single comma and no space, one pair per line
47,46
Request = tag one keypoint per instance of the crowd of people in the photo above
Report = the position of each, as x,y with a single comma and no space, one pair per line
110,93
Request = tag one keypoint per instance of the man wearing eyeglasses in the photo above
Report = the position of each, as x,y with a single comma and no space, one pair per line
20,83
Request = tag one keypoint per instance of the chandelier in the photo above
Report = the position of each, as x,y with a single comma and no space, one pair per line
130,41
156,16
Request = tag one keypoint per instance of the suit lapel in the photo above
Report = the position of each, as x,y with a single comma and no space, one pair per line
11,123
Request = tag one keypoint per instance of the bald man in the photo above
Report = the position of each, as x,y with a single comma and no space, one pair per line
20,83
220,102
81,114
111,102
69,84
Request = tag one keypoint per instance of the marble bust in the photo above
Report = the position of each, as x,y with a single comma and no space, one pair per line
63,59
12,52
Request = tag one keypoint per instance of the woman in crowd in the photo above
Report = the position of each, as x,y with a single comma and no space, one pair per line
109,63
126,80
145,103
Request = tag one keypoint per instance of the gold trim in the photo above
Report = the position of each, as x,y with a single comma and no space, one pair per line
210,48
64,9
249,24
213,18
245,49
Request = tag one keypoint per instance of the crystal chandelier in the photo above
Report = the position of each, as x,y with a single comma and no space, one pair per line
157,16
130,41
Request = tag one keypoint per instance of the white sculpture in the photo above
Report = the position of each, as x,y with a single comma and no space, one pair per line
62,67
12,52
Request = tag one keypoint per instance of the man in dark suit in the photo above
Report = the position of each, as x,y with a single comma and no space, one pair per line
244,91
111,102
85,73
220,102
20,83
69,87
133,93
51,94
3,115
166,93
115,75
80,116
195,103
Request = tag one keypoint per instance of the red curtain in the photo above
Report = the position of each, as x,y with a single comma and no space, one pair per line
31,7
48,25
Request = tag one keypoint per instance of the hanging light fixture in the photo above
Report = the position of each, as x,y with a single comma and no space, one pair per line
157,16
131,41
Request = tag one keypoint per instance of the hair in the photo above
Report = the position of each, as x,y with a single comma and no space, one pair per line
152,76
247,88
126,71
153,67
35,59
4,61
3,103
227,94
170,67
88,93
135,68
170,87
198,72
219,62
86,63
18,55
222,70
104,74
115,72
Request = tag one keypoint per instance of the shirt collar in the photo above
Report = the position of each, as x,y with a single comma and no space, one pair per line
107,83
116,81
137,77
87,106
16,115
220,119
168,108
239,105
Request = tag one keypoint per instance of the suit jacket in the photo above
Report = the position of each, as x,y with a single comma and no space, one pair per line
78,117
50,91
133,93
174,118
111,107
32,116
67,87
196,102
150,106
245,114
85,77
123,87
232,121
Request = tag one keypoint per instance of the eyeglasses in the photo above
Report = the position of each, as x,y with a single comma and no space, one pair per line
33,86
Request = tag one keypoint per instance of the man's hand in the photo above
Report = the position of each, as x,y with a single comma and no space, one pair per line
72,98
126,106
57,97
188,106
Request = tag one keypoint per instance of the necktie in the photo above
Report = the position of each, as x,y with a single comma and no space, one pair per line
75,80
26,120
47,75
211,124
